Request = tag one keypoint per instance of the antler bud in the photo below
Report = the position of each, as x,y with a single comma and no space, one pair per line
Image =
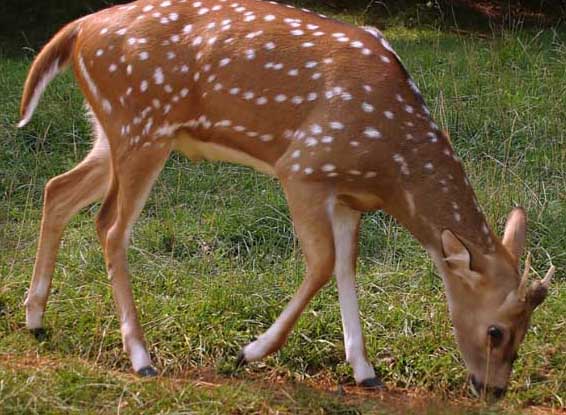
523,285
548,277
539,289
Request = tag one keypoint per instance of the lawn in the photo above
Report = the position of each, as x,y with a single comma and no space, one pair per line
214,259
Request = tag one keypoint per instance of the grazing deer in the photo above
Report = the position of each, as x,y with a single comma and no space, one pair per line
325,107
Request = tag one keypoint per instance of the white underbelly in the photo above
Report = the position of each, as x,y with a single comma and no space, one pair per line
199,150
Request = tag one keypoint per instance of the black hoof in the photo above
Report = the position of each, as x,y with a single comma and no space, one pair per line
241,360
372,383
40,334
147,372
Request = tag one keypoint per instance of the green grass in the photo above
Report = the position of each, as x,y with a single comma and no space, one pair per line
214,258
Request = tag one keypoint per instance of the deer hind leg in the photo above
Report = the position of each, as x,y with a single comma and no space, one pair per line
64,196
133,179
345,226
308,205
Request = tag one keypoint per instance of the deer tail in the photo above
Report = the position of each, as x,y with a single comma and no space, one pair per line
53,58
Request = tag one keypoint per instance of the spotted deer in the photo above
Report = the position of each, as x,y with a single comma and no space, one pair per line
324,106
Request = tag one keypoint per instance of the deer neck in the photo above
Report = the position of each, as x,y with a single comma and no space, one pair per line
439,200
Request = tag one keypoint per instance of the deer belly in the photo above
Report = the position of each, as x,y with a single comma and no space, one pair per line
196,149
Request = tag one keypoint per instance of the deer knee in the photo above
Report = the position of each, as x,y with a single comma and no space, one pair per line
320,269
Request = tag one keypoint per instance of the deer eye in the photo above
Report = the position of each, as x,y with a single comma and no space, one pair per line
495,335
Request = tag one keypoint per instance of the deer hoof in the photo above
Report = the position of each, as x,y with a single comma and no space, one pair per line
39,333
147,372
372,383
241,360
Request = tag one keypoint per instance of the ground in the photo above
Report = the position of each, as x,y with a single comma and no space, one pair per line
214,259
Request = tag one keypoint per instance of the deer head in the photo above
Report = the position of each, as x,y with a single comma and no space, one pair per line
491,303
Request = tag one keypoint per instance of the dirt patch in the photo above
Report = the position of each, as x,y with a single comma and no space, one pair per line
504,11
393,400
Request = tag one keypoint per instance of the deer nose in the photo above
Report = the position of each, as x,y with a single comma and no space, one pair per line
490,392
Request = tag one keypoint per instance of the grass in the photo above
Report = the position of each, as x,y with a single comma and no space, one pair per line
214,259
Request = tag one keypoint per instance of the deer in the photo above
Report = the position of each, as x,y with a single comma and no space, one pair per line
325,107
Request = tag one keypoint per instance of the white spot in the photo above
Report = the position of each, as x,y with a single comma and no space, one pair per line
234,91
297,100
367,107
316,129
293,72
311,142
269,18
308,171
143,86
429,166
223,123
250,54
312,96
112,67
384,59
99,52
357,44
166,3
372,133
409,109
307,45
327,139
203,11
296,154
328,167
104,31
188,28
261,101
224,62
297,32
269,46
158,76
248,95
122,31
389,115
143,56
295,167
366,51
316,75
336,125
280,98
106,106
197,40
399,159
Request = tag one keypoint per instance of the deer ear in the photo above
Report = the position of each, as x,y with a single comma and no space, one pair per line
458,259
515,234
455,253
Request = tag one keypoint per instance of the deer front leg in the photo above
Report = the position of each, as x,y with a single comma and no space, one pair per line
133,180
345,225
64,196
308,206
